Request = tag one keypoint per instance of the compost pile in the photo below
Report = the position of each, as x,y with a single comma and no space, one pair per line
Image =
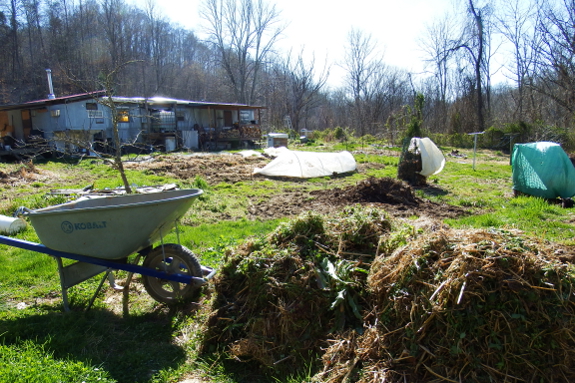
278,298
477,306
451,305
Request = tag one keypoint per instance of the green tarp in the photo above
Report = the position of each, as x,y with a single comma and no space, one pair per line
542,169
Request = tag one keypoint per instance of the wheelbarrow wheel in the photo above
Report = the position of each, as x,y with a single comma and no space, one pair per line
172,259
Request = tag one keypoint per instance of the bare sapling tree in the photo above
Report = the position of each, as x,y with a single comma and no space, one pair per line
107,82
108,101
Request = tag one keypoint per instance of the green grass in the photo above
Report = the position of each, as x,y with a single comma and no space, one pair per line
154,344
132,349
28,362
209,241
532,215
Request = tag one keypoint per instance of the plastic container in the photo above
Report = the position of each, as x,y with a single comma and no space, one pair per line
10,225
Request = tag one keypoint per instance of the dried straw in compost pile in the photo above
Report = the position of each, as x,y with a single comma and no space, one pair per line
280,297
477,306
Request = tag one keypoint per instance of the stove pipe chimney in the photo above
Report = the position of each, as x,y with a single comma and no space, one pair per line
51,95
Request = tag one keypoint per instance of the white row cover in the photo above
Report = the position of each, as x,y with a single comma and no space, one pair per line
432,160
290,163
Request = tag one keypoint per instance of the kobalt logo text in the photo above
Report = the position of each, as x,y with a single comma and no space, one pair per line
69,227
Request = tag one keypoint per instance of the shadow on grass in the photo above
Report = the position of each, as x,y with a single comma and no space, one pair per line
432,191
131,349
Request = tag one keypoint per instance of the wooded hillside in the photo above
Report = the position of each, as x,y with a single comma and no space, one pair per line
82,40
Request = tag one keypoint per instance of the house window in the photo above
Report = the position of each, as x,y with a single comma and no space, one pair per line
247,117
95,114
123,115
91,106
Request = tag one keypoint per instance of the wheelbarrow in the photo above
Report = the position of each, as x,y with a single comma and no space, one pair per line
101,232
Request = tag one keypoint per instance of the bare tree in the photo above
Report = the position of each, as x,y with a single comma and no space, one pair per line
475,42
556,64
243,33
476,49
113,15
108,82
438,47
363,66
304,86
517,23
14,40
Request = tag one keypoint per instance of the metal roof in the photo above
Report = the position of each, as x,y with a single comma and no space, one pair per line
126,100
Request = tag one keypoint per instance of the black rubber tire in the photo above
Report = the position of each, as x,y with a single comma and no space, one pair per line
180,260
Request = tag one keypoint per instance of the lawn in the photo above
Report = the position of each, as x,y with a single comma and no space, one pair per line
156,343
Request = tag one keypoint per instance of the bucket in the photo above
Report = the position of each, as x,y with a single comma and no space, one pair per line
170,144
11,225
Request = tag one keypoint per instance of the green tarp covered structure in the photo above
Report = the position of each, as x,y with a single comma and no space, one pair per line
542,169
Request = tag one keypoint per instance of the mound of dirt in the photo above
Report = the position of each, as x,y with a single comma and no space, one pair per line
382,190
394,196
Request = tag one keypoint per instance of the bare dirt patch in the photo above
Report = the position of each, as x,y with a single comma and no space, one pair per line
394,196
23,174
214,168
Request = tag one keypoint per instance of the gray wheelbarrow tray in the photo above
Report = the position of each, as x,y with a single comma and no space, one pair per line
101,232
111,227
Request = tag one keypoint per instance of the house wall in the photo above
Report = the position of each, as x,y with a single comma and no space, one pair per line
68,121
193,116
64,124
70,116
15,121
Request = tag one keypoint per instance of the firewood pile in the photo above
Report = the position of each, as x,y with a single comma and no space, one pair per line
250,131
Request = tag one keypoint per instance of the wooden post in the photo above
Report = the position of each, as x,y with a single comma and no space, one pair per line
475,145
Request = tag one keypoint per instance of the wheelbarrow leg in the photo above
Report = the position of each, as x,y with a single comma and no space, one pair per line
76,273
63,284
126,289
108,273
